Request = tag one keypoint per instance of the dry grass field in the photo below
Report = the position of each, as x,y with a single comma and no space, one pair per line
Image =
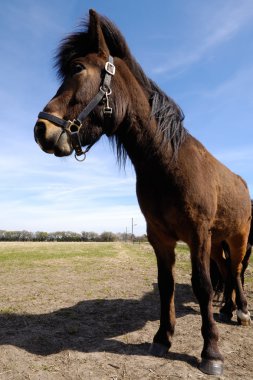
90,310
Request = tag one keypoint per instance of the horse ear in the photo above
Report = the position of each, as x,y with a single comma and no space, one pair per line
96,35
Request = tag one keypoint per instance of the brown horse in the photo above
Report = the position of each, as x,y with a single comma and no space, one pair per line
183,191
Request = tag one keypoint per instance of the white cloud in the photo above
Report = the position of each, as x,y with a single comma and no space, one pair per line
214,29
46,193
41,218
239,86
235,154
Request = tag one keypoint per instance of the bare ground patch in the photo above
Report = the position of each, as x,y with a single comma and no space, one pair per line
74,311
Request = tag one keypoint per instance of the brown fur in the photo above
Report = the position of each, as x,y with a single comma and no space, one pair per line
217,277
183,191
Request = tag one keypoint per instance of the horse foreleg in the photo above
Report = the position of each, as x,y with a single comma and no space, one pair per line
212,360
165,261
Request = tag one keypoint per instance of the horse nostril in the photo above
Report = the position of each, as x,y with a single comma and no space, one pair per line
40,129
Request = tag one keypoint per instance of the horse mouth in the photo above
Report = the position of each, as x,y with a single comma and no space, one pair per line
63,146
62,149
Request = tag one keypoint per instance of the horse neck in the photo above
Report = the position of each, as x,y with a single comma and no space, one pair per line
138,133
142,141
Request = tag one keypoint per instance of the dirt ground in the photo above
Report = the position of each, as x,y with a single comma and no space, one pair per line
88,318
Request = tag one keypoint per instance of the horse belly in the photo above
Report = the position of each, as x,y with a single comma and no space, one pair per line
233,208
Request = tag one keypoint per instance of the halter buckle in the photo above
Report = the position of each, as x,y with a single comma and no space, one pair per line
74,126
110,68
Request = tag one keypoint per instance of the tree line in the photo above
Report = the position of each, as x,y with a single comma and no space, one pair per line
68,236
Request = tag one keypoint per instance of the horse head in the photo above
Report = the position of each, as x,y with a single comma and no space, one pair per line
89,91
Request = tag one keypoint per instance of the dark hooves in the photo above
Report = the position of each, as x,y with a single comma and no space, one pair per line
212,367
157,349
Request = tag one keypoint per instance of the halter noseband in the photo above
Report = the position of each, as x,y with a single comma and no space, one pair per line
72,127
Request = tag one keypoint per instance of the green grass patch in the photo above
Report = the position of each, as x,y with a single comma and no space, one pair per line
183,260
28,252
43,251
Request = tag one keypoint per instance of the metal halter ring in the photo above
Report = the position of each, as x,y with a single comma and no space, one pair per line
80,155
107,93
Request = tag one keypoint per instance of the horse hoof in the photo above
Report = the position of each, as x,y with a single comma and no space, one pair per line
211,367
244,323
157,349
243,319
224,318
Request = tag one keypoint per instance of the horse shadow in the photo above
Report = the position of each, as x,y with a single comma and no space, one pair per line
92,325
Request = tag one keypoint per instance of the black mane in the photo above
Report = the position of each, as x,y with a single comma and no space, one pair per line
167,113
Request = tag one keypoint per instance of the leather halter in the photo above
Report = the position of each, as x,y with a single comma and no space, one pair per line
72,127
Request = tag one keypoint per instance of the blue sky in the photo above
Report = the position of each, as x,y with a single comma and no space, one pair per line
199,52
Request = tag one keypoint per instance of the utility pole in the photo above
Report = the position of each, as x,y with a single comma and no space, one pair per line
133,229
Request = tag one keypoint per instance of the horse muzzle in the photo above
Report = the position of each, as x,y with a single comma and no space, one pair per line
52,139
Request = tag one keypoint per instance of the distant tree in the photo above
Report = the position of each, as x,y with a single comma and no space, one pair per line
142,238
122,236
85,236
2,235
108,236
25,236
64,236
90,236
51,236
72,236
12,235
40,236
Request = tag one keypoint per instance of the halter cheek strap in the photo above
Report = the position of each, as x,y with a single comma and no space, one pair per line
72,127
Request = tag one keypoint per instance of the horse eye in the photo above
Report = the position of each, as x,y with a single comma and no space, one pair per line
77,68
